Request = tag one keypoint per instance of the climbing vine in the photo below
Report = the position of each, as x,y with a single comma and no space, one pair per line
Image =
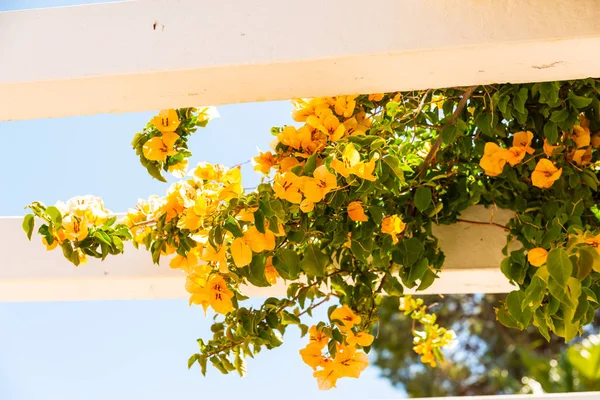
345,212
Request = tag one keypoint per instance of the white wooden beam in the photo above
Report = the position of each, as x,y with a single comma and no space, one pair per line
151,54
30,273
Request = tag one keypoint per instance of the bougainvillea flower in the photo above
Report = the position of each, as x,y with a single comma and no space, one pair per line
241,252
537,257
346,316
322,183
581,157
159,148
287,187
494,159
363,339
356,212
523,139
545,174
549,149
166,120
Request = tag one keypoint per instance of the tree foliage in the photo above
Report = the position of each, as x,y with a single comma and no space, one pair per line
346,210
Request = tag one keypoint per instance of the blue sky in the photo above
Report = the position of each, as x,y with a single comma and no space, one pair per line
131,349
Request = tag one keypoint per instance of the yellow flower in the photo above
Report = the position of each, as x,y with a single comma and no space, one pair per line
581,157
166,120
323,182
317,337
594,242
581,134
361,338
345,105
356,212
208,172
185,263
207,113
295,138
271,273
74,228
376,96
232,181
49,246
493,160
349,363
259,241
351,164
346,316
326,377
312,356
515,155
159,147
241,252
215,294
179,170
545,174
328,124
217,256
549,149
523,139
596,140
393,225
287,187
537,257
264,162
307,206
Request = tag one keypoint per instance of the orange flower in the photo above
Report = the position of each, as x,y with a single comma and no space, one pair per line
356,212
537,257
166,121
545,174
523,139
581,157
346,316
494,159
159,147
549,149
264,162
271,273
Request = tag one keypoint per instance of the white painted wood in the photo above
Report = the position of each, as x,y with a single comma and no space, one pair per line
544,396
151,54
30,273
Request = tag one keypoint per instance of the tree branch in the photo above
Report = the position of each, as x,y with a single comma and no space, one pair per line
483,223
459,109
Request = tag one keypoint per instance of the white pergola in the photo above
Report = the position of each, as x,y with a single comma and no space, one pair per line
151,54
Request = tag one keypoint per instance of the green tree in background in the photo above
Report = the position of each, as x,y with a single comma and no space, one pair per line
489,358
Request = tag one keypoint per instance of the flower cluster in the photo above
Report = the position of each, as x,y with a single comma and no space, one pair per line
343,342
82,227
432,338
162,145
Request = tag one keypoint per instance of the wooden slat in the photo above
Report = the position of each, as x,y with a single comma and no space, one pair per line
30,273
151,54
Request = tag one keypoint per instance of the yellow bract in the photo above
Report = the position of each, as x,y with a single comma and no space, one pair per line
287,187
346,316
361,339
166,120
317,337
271,273
351,164
494,159
159,147
241,252
545,174
74,228
393,225
537,257
323,182
356,212
214,293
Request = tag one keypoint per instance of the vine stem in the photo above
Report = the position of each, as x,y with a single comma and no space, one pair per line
459,109
483,223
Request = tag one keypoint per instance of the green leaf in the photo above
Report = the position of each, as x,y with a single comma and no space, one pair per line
192,360
394,165
55,215
311,164
232,226
559,116
240,365
287,262
155,171
520,99
534,294
28,225
314,261
579,101
559,266
392,286
551,132
422,198
413,248
585,358
449,134
418,270
259,221
103,237
256,271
